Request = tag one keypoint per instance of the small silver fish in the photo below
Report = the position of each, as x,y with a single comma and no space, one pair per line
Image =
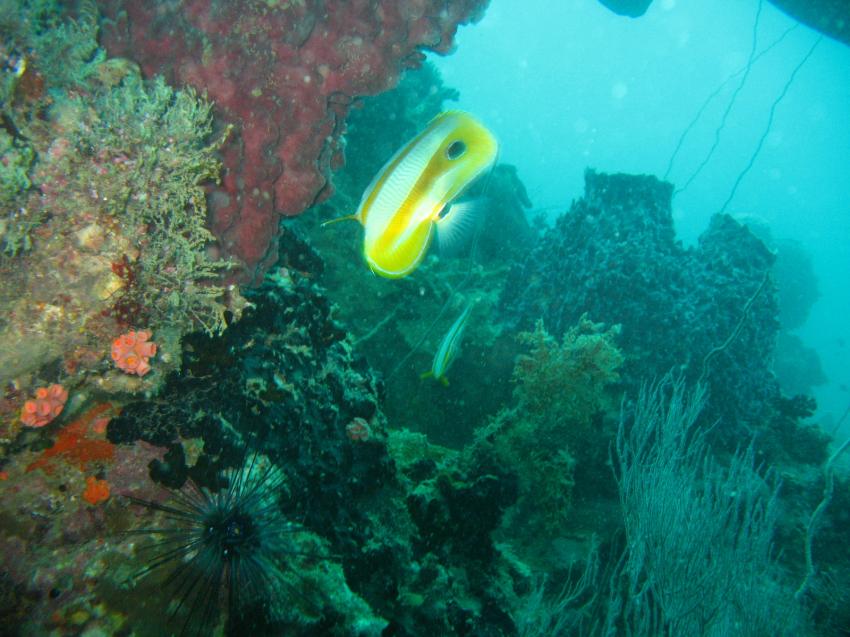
448,349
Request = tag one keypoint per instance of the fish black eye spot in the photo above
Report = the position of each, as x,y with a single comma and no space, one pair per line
455,150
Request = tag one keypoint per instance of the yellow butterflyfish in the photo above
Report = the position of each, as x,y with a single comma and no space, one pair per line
415,192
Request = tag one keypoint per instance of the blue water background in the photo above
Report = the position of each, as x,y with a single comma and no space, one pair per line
566,84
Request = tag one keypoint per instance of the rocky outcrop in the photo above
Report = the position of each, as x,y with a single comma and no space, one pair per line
710,311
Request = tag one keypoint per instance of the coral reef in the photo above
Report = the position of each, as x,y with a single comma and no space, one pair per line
47,405
550,437
63,553
236,540
132,352
696,561
103,212
568,380
710,310
287,74
378,126
398,325
274,447
285,378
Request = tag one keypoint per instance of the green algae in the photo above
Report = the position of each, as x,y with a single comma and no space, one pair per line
151,146
16,221
568,380
107,148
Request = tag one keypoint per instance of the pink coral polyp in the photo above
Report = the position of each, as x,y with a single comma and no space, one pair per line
132,352
47,404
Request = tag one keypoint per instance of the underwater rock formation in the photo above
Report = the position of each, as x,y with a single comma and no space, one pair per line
830,17
709,311
286,378
630,8
102,212
287,73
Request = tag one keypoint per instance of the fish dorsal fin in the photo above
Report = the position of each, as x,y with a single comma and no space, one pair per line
457,226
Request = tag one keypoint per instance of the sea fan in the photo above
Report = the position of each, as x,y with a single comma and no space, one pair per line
233,542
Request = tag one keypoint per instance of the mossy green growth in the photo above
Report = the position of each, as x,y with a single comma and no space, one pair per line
62,50
544,467
568,380
149,158
551,429
16,221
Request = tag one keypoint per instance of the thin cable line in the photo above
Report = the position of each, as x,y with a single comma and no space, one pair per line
717,92
769,123
731,103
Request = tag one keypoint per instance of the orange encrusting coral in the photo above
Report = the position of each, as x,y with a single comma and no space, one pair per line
47,404
75,446
96,491
132,351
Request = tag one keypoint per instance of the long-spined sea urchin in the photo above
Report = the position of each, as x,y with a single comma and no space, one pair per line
234,541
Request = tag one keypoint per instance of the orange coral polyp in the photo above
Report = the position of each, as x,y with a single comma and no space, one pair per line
47,404
132,351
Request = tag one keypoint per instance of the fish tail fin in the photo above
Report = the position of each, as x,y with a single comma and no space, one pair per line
330,222
444,381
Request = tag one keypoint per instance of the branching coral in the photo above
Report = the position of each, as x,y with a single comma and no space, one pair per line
568,381
150,142
550,432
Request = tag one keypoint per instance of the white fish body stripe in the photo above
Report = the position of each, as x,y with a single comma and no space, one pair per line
396,188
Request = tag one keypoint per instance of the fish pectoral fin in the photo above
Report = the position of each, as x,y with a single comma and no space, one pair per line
427,374
338,219
457,226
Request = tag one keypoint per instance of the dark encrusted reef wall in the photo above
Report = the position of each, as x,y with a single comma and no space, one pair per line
615,256
412,532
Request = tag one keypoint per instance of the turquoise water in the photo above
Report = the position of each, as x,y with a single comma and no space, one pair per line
571,363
